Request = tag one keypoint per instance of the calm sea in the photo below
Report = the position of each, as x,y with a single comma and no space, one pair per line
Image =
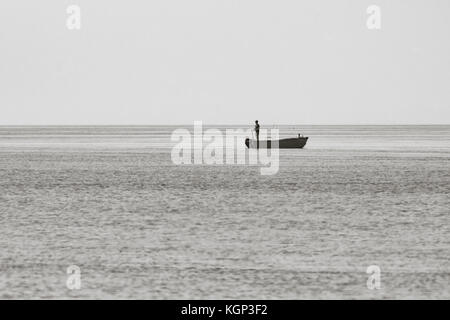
110,201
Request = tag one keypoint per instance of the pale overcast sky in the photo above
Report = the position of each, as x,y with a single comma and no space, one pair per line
224,62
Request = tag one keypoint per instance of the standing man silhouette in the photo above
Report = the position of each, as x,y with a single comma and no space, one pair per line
257,133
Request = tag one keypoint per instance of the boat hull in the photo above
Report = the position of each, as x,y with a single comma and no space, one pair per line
291,143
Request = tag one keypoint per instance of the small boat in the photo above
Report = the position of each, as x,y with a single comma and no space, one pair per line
289,143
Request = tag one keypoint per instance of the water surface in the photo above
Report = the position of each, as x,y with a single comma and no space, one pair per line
110,200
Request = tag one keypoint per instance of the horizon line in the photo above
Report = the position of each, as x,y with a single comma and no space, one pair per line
224,124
